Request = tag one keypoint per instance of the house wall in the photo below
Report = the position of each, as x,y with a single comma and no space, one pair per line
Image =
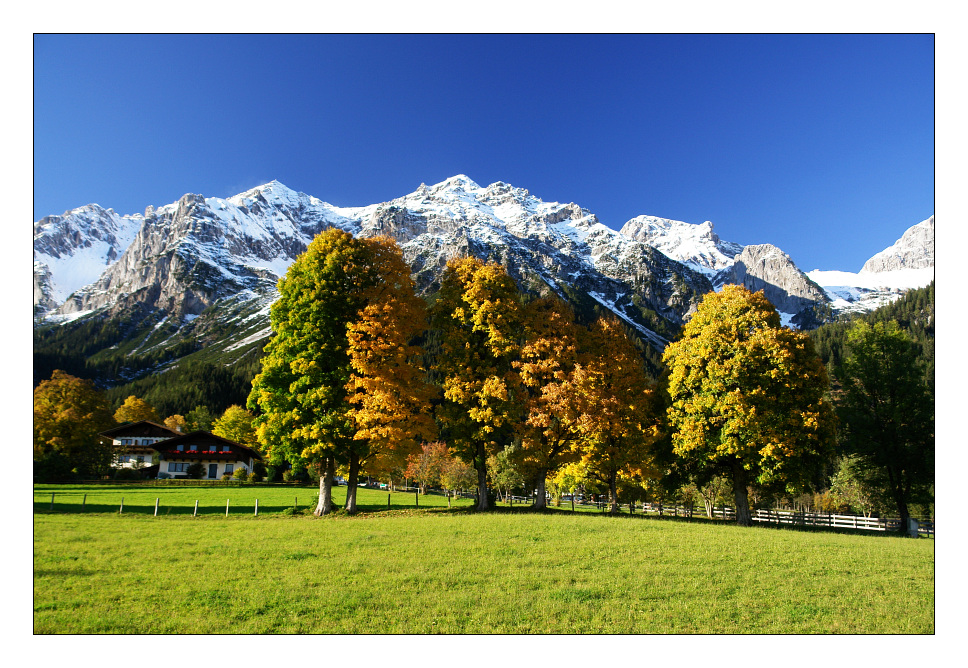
134,448
220,471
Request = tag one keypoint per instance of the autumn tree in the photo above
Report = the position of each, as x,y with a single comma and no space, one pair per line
69,413
135,410
620,418
235,424
457,475
427,466
391,402
547,361
478,316
887,414
177,423
340,382
747,398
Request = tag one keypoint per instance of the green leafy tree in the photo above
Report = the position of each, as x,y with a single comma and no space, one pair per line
340,383
300,392
135,410
478,317
504,470
199,418
747,398
69,413
236,425
886,413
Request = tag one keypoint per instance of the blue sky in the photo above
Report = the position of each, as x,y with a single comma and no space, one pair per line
820,144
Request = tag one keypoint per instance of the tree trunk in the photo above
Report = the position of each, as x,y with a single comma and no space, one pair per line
740,495
325,504
540,503
613,493
481,463
351,483
709,507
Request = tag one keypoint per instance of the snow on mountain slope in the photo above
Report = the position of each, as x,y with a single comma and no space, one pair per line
73,250
191,254
696,246
906,265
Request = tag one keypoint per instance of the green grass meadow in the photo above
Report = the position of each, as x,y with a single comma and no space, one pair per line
433,569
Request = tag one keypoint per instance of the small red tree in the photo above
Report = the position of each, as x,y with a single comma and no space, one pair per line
428,465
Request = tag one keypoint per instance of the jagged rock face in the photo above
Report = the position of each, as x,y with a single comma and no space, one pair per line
765,267
191,254
696,246
914,250
72,250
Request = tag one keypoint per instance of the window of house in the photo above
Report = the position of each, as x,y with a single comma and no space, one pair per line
229,468
177,467
225,448
211,448
181,448
141,458
125,441
124,458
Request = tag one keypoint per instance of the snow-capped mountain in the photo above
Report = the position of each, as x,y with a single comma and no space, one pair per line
205,269
907,264
696,246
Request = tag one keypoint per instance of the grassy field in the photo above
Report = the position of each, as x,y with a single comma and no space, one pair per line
437,570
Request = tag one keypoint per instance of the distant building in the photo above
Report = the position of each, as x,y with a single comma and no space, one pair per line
164,453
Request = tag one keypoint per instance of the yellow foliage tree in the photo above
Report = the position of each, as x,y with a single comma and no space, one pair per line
620,410
747,397
68,415
135,410
236,425
478,315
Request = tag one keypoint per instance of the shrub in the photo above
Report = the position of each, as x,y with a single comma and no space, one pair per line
127,474
195,470
241,474
255,477
226,476
273,473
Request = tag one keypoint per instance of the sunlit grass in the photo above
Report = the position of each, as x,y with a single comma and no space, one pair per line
430,569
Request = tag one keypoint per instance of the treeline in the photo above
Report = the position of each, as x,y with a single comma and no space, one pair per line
191,384
521,390
914,314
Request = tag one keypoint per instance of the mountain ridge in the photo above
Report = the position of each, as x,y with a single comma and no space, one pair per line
205,269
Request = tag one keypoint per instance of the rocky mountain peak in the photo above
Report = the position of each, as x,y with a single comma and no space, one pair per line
914,250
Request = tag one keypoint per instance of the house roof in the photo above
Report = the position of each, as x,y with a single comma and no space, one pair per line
142,428
202,438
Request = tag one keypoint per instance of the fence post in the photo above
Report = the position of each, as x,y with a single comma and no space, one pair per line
416,499
156,506
226,507
84,503
388,501
194,514
121,509
51,500
257,507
